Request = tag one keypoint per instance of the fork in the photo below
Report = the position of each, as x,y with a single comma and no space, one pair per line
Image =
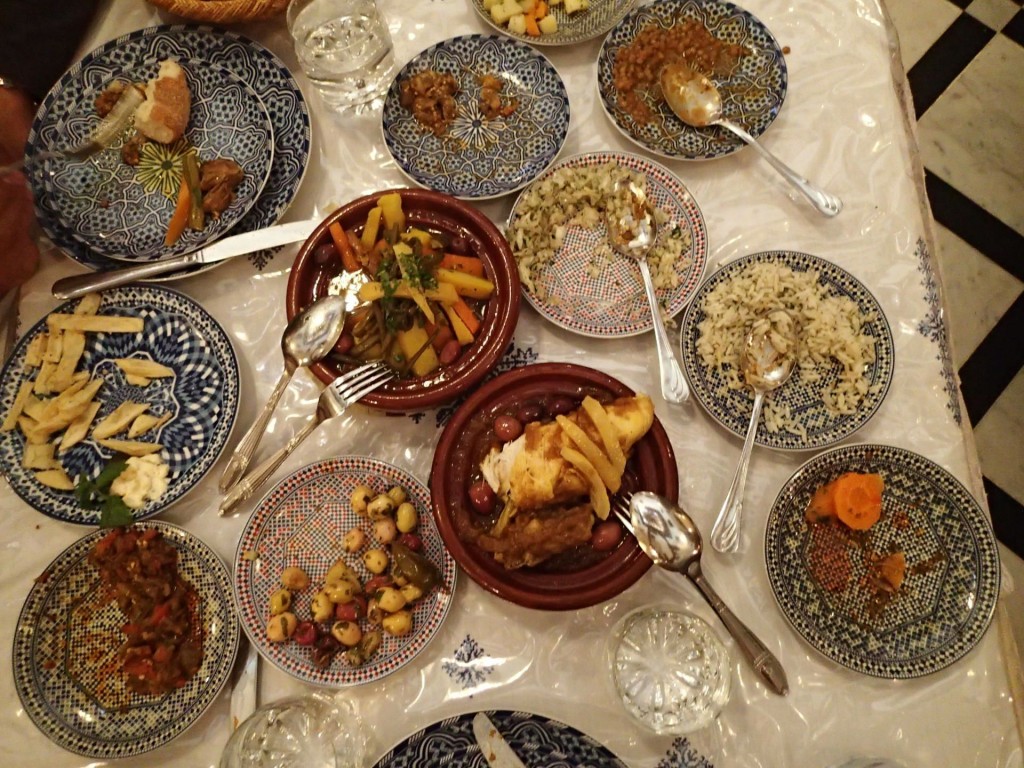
334,401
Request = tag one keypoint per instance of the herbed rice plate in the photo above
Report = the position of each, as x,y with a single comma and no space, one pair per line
844,366
569,272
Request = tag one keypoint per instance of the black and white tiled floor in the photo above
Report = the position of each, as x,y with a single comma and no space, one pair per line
964,60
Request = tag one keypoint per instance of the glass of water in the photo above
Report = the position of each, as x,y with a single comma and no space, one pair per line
344,48
670,670
316,731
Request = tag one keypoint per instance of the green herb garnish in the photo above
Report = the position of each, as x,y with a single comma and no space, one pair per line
95,494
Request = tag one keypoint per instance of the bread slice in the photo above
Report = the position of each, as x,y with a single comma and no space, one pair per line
163,116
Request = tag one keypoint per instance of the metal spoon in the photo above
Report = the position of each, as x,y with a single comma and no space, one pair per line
767,360
308,338
697,102
671,539
633,235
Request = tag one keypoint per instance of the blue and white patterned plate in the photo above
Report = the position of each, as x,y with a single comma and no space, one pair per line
202,396
479,158
731,407
65,646
301,522
121,211
752,94
597,19
537,740
590,289
947,599
248,60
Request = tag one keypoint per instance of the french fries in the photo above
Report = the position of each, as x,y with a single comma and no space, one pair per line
611,479
137,366
609,435
598,493
56,408
119,419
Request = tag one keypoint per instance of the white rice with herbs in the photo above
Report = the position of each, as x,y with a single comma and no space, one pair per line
832,332
583,197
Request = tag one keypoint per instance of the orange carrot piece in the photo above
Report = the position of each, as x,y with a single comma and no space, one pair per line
179,220
531,25
540,10
858,499
466,315
348,254
468,264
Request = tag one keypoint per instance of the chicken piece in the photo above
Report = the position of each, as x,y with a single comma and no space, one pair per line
534,536
218,180
163,116
530,470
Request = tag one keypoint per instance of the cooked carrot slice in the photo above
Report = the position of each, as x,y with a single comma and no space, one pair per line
469,264
858,499
341,242
180,218
466,314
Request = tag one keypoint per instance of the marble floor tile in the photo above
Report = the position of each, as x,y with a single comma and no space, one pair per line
971,136
1000,439
919,23
1013,566
994,13
978,292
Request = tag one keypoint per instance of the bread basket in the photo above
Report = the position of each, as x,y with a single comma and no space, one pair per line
223,11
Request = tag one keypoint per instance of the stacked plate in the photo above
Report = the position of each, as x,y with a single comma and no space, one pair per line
246,106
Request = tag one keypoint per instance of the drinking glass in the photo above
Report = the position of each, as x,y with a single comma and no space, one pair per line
670,670
345,49
316,731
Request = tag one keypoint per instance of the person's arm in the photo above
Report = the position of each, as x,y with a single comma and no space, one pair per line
38,39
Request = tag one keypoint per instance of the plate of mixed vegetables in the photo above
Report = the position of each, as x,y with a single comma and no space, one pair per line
432,292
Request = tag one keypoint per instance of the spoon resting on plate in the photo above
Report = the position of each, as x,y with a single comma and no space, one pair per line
697,102
768,357
633,233
668,535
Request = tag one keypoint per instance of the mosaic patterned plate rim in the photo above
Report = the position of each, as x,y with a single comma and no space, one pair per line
785,577
184,706
571,29
735,419
215,228
277,88
395,119
218,353
669,185
684,142
518,728
253,615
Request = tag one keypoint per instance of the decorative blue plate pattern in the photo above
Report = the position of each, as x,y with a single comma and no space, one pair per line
202,396
752,94
947,599
539,742
731,408
121,211
597,19
479,158
246,59
301,523
65,646
611,301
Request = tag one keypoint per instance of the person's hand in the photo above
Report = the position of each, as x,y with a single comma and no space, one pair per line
20,255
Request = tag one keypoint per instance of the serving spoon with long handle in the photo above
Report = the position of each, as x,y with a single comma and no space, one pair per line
671,539
633,234
767,360
697,102
307,339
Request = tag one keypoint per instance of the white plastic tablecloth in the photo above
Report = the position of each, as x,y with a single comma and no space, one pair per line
845,125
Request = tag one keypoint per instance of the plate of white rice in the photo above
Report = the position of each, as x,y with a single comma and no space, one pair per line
844,365
569,272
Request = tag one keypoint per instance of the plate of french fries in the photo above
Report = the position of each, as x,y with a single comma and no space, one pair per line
138,371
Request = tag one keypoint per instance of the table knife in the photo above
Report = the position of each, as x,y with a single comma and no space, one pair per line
496,750
236,245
